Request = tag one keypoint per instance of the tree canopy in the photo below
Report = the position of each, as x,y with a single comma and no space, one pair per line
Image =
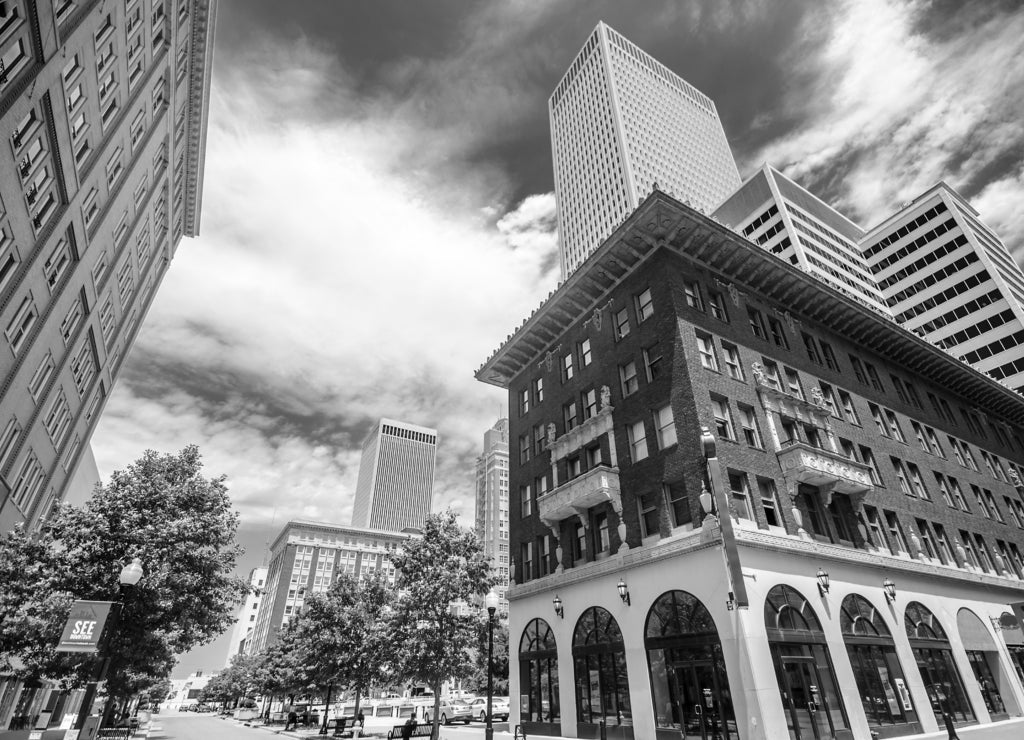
160,509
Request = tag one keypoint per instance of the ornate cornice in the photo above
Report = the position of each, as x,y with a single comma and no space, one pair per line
203,24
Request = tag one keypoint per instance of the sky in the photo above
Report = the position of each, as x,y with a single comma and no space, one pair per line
378,210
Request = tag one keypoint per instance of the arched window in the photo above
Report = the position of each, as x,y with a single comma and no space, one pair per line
538,672
602,684
934,658
983,655
876,668
688,676
803,666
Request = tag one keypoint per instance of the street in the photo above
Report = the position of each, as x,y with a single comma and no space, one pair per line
210,727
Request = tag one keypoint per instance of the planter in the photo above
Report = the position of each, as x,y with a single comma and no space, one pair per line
246,714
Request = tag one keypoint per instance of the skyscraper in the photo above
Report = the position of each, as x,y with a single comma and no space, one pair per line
775,213
104,110
949,278
245,625
622,122
396,476
492,504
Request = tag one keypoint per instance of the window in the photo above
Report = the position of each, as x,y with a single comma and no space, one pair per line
644,306
57,263
757,324
917,482
114,167
637,441
849,410
58,419
72,319
991,501
926,539
8,441
693,298
22,323
627,376
585,356
947,495
732,361
982,503
524,402
769,501
897,542
678,504
41,376
579,544
524,449
793,382
567,370
526,555
652,362
526,500
664,426
771,373
813,436
876,382
777,332
919,433
717,306
933,443
706,347
944,546
538,390
829,396
894,427
811,347
589,404
539,439
739,492
858,370
723,419
876,534
901,475
126,281
869,459
90,207
621,324
107,321
594,456
569,415
829,356
648,505
968,545
958,494
748,423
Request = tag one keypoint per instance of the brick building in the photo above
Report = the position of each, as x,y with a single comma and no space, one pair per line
866,523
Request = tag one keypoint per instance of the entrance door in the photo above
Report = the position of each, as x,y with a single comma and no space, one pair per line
987,683
704,715
805,704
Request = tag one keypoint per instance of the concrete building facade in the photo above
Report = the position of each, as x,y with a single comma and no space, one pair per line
775,213
104,111
620,123
245,624
842,558
395,487
949,278
306,558
491,521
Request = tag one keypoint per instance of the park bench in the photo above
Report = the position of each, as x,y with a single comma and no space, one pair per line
420,730
115,733
340,725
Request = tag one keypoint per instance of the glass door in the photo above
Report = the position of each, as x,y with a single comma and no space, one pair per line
705,715
806,707
986,682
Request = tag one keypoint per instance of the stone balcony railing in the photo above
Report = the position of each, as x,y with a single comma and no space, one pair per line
823,468
774,398
585,432
574,497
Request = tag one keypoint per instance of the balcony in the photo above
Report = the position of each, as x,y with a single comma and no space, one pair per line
579,494
773,398
824,468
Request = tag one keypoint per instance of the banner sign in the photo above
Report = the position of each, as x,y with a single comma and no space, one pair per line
84,627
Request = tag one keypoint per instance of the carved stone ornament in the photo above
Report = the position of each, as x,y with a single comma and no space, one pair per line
961,555
596,318
758,371
818,397
734,294
549,360
512,570
551,435
1015,479
789,321
606,399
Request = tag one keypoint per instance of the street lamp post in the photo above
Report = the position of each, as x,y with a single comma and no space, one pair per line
131,574
491,600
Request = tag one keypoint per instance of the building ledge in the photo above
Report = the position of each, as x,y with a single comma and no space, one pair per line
573,498
824,468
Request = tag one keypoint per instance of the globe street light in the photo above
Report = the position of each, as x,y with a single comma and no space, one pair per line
491,600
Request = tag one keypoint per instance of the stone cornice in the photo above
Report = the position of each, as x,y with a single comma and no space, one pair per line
663,223
203,24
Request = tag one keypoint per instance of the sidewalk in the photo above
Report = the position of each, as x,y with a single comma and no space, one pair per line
1010,729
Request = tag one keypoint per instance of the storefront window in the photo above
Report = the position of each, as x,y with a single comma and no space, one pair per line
935,661
688,676
602,685
986,664
803,666
872,650
538,673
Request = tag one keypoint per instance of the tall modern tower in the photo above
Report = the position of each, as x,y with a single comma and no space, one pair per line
622,122
103,110
492,504
396,476
949,278
778,215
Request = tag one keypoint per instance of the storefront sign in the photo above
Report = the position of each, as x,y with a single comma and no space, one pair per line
84,627
904,694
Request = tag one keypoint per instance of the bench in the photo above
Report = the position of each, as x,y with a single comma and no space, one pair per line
340,725
420,730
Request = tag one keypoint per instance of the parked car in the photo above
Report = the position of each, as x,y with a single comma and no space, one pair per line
453,710
499,708
189,707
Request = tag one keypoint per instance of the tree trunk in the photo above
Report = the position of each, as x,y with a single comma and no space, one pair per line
358,696
435,731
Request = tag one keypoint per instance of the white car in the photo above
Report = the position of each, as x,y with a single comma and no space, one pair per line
499,708
452,710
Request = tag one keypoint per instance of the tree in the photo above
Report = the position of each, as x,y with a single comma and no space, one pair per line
433,638
280,670
236,681
180,524
479,678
